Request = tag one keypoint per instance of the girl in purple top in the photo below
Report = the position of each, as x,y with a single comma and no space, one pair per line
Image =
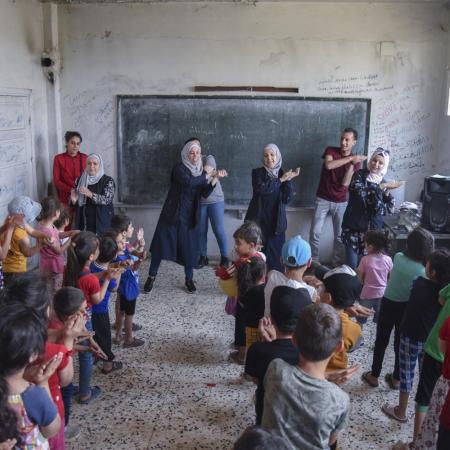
373,271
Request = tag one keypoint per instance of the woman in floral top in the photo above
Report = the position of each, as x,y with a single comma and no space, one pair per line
94,197
369,200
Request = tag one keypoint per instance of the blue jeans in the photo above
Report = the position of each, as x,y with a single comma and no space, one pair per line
370,303
351,256
86,362
154,266
215,213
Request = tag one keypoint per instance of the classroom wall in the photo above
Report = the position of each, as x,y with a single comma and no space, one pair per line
21,45
325,49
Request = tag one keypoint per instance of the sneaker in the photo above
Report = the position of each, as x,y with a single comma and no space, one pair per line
71,432
202,262
190,286
148,286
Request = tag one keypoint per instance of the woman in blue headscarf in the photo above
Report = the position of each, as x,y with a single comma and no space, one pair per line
176,236
272,191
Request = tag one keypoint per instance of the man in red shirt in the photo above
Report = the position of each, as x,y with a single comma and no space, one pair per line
331,198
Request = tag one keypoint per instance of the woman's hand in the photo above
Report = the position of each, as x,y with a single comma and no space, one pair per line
392,185
73,196
85,191
290,174
267,330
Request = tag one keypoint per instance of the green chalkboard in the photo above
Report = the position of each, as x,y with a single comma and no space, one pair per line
152,129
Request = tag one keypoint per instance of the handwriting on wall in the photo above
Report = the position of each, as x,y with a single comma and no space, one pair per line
15,166
400,120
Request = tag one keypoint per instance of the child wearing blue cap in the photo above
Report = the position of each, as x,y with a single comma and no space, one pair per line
296,258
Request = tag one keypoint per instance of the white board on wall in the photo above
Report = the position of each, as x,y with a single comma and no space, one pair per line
16,153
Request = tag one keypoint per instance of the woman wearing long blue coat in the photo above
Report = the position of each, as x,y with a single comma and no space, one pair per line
176,236
272,191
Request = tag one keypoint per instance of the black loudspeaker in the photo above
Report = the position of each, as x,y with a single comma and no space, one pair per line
436,204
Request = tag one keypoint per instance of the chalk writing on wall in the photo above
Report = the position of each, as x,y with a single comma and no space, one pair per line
12,116
400,120
15,149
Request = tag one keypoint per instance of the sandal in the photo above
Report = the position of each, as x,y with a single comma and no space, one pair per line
116,341
368,378
116,365
390,411
95,392
392,382
134,343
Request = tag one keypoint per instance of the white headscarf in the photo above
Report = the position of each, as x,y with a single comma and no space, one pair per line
377,177
196,169
273,171
87,180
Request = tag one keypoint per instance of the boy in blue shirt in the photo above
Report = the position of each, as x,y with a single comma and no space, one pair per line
100,313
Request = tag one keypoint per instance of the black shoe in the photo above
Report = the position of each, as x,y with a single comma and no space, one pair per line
202,262
190,286
148,286
224,261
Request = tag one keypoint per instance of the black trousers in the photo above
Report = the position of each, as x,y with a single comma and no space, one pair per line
102,328
391,316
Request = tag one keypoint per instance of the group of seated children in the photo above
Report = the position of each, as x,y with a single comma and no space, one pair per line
43,323
299,351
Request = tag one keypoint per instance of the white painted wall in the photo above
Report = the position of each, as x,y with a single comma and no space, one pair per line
21,45
325,49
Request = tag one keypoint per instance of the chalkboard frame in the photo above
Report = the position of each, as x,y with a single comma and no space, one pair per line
157,205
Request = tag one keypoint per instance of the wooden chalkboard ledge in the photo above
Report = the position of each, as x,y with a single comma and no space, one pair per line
239,210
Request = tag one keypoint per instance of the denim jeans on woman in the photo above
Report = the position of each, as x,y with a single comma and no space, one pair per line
215,213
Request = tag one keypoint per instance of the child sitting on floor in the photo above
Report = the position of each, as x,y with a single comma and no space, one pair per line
341,289
318,335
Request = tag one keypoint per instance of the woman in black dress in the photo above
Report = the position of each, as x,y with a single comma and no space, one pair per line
93,197
272,191
176,236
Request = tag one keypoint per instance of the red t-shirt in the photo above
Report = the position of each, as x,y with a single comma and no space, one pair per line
51,350
330,184
444,334
90,285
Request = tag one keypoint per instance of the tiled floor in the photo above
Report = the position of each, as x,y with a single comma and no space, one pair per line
179,392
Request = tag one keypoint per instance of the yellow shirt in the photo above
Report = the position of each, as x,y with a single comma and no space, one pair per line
351,333
16,261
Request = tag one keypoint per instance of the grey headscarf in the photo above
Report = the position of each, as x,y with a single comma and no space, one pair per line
87,180
273,171
196,169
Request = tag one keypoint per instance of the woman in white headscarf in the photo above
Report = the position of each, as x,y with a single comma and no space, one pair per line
272,191
176,236
93,196
369,200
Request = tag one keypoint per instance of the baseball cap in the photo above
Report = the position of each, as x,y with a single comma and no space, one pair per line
24,205
342,283
296,252
286,303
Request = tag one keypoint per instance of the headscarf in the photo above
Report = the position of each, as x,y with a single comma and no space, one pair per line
374,177
24,205
196,169
273,171
88,180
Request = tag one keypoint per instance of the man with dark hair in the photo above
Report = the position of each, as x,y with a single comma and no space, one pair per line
255,438
331,198
300,405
